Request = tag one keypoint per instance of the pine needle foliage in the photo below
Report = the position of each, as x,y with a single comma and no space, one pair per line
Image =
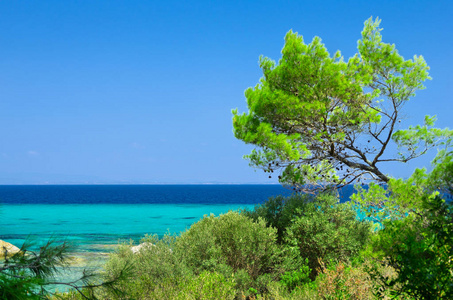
30,274
321,121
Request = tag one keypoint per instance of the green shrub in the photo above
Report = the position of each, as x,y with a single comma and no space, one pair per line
279,211
217,257
279,291
155,270
297,277
232,245
326,230
420,248
208,285
343,281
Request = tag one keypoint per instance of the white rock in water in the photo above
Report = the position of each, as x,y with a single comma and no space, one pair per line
137,249
7,247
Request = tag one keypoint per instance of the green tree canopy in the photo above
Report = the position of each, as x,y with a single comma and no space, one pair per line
324,121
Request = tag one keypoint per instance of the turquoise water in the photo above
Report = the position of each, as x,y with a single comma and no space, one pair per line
88,226
92,217
96,229
95,219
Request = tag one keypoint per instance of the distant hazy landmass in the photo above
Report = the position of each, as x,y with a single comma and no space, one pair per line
58,179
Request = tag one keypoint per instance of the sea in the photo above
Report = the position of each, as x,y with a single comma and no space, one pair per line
95,219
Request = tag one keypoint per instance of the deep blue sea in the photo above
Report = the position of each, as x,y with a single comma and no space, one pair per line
92,217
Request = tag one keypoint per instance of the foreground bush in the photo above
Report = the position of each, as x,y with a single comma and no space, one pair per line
216,258
154,269
233,245
344,281
319,227
327,231
294,279
208,285
420,248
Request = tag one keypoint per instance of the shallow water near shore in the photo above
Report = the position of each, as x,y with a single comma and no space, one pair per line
93,218
96,227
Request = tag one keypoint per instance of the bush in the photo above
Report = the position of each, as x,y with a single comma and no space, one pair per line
341,281
155,270
232,245
326,230
296,278
208,285
278,212
420,248
217,257
278,291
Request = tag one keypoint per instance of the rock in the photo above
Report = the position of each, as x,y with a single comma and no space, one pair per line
10,249
137,249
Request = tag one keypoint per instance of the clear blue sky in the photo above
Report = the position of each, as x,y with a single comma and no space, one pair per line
142,91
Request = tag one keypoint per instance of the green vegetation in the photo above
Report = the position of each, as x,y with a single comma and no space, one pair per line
30,274
420,248
25,276
234,246
235,256
324,252
311,115
327,232
320,228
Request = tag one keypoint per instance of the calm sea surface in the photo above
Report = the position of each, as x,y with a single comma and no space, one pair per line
93,216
